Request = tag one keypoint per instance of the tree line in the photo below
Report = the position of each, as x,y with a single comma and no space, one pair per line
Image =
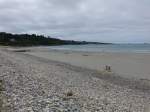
30,40
9,39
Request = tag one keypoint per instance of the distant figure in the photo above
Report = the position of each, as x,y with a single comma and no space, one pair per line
108,68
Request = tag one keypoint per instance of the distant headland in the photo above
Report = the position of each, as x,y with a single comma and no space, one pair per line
9,39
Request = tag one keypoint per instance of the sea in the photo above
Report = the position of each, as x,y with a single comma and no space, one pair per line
131,48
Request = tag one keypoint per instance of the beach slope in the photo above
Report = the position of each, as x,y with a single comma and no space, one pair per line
34,83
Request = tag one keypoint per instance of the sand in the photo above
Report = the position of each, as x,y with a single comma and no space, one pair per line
36,80
132,65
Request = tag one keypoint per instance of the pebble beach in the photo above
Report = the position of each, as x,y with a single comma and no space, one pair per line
35,84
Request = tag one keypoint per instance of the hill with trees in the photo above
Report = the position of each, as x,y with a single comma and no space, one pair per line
9,39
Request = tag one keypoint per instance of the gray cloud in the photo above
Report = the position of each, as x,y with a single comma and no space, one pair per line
93,20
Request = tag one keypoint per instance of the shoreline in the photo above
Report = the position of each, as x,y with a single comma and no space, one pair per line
31,80
141,84
111,77
131,83
128,65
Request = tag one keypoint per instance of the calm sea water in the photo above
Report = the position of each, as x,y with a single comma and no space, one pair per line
135,48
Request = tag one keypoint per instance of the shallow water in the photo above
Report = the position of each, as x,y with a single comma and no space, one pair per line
133,48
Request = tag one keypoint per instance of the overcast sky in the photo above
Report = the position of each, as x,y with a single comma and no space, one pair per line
91,20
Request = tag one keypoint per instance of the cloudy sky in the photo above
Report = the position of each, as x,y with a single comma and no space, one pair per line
91,20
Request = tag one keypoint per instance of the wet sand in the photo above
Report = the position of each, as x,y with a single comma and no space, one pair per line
129,65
